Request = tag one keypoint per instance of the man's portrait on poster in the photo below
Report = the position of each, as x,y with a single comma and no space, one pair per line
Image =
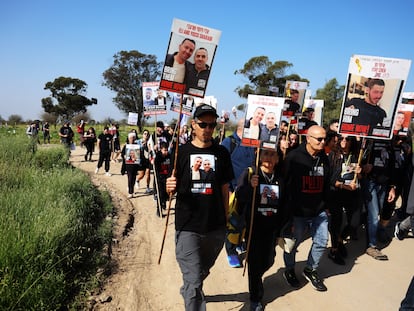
368,108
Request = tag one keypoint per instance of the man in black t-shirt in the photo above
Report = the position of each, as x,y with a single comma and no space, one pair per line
201,206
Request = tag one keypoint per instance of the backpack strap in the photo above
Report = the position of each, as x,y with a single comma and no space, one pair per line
233,144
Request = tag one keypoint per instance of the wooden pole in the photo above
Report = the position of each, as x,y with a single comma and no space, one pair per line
173,174
252,212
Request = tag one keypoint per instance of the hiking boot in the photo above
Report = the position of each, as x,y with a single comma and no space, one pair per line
291,278
336,257
256,306
313,278
398,233
376,253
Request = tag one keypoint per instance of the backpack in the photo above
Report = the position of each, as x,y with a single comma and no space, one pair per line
236,225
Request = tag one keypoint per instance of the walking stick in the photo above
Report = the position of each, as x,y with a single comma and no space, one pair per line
171,194
222,133
361,153
251,212
287,139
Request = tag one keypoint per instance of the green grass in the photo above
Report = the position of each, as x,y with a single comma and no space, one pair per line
52,227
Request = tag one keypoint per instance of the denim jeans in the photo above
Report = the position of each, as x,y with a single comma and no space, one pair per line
374,196
318,227
196,254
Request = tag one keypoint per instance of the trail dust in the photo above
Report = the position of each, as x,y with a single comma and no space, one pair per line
138,282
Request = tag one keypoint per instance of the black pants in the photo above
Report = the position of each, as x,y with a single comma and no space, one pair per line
132,171
340,200
261,257
104,156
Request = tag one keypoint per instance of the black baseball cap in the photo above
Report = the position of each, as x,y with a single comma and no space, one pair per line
204,109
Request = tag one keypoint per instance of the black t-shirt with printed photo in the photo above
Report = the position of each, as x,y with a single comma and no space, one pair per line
199,207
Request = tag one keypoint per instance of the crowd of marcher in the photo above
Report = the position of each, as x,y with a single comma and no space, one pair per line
320,184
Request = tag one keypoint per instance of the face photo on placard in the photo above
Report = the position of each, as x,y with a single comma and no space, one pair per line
188,62
372,94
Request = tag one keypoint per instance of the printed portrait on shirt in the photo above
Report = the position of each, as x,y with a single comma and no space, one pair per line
202,173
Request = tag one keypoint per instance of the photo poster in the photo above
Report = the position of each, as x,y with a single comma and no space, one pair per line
132,154
132,118
372,94
188,104
317,116
154,99
301,87
404,115
182,78
262,118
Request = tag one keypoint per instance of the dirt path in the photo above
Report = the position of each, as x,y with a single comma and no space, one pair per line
140,283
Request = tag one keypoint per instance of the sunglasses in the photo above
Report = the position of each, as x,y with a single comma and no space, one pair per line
319,139
203,125
344,138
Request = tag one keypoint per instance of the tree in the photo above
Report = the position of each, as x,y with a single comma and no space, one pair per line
332,94
262,74
125,77
68,93
15,119
49,117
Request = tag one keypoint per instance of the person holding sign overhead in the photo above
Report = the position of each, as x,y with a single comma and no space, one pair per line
201,207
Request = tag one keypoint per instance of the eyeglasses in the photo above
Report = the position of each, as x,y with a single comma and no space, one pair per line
319,139
203,125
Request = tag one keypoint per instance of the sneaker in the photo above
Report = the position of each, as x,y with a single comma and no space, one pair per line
148,191
313,278
240,250
108,174
137,185
234,261
256,306
291,278
130,196
96,170
398,233
336,257
376,253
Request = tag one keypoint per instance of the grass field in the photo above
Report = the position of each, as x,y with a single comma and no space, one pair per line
52,226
